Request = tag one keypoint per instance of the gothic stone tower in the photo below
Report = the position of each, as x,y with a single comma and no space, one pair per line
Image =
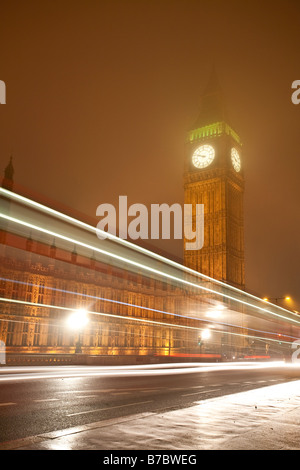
213,176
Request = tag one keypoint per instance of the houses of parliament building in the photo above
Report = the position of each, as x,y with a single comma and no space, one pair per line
133,313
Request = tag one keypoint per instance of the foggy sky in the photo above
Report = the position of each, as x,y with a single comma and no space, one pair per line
100,95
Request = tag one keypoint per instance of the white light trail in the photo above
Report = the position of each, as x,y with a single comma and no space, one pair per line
144,267
216,310
131,371
143,320
134,247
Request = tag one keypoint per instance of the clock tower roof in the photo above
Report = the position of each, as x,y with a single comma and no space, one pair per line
213,119
212,107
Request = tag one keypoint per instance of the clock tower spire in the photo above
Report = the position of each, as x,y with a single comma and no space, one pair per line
213,107
214,177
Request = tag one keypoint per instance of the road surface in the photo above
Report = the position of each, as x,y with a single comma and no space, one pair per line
35,400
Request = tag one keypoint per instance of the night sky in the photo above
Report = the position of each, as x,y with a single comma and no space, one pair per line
100,95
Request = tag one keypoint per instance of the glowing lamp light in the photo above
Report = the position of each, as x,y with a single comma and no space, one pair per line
214,314
287,297
205,334
78,319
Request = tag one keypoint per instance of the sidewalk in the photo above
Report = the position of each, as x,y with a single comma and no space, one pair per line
262,419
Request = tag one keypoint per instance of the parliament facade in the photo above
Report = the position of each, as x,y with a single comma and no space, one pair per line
133,314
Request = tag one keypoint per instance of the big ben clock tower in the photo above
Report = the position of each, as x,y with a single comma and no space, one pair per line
214,177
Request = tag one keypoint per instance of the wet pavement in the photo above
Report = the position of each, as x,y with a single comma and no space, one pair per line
266,418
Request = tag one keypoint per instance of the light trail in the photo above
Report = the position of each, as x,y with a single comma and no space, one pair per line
131,371
94,297
143,320
164,274
134,247
144,267
118,302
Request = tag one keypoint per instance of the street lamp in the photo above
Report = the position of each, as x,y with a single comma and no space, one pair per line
77,321
205,334
216,311
270,299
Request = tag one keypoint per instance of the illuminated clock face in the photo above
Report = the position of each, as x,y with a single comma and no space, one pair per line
203,156
235,159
